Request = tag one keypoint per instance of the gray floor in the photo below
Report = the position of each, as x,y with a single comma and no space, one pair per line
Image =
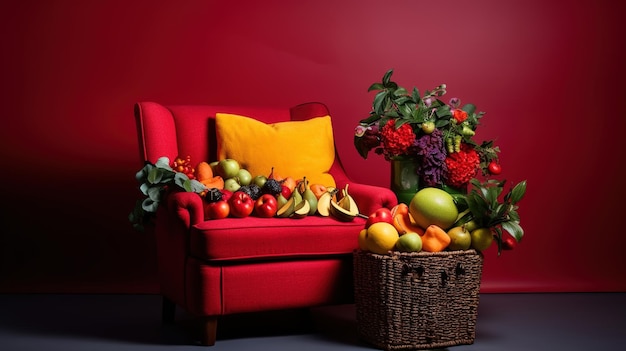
573,321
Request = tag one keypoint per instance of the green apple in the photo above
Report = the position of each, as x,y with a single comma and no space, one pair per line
228,168
471,226
433,206
409,242
259,180
214,167
231,184
481,238
460,238
244,176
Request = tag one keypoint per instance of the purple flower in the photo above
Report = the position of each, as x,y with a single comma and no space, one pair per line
455,102
431,158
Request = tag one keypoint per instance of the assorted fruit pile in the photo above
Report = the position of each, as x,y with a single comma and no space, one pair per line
229,190
233,191
435,221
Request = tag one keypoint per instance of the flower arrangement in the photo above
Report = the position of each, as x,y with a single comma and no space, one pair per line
438,138
437,135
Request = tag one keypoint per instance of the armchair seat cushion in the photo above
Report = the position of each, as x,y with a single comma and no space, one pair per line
253,238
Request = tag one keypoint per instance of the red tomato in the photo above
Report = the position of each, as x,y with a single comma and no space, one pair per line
216,210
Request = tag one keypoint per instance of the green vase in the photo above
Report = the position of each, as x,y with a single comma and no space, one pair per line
404,178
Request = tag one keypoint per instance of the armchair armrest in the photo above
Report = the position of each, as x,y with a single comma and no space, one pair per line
369,198
187,206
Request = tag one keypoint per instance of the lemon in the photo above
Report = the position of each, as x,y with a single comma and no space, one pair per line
381,237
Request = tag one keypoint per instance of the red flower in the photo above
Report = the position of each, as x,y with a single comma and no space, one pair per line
462,166
396,141
459,115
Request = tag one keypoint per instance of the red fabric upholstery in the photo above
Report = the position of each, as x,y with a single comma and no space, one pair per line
226,266
256,238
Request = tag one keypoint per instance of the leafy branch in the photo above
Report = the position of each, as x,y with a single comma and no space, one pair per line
487,211
154,179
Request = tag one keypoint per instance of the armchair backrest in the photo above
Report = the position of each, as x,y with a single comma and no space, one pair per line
180,130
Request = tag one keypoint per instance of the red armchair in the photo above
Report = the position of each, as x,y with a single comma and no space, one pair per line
219,267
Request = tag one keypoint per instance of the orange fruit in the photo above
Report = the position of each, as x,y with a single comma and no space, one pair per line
203,171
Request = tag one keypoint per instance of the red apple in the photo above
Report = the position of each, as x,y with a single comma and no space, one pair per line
286,191
266,206
216,210
241,204
382,214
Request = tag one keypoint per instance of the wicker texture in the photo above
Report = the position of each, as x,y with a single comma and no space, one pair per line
417,300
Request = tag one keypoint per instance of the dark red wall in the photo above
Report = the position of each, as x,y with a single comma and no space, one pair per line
550,75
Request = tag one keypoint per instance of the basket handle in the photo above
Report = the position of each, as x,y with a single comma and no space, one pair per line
419,270
407,268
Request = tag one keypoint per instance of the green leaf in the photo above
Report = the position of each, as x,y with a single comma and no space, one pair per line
379,102
376,86
142,175
187,185
401,100
441,123
416,95
392,114
400,91
163,162
399,122
144,188
514,216
469,108
180,179
197,187
387,77
518,192
149,205
478,207
514,229
155,175
493,192
154,193
443,111
405,110
391,86
371,119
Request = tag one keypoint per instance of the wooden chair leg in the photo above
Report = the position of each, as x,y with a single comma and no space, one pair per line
168,311
208,331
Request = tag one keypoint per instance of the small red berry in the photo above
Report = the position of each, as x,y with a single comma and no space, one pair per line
494,167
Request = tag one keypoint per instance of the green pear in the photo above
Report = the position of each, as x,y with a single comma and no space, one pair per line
309,196
281,200
295,194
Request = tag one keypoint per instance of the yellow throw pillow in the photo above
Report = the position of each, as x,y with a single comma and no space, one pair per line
294,148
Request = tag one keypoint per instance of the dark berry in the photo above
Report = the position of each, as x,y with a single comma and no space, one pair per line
213,195
272,186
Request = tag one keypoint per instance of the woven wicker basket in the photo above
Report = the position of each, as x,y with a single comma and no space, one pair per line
417,300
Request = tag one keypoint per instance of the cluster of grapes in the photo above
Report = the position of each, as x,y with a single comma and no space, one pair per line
183,165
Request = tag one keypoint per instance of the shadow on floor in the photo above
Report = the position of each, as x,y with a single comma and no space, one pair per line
137,319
